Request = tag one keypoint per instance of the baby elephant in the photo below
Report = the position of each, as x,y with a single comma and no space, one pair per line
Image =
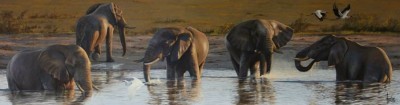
352,61
183,48
57,67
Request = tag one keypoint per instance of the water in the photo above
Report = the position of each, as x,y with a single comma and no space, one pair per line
218,87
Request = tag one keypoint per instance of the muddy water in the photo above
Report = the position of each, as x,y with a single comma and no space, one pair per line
220,87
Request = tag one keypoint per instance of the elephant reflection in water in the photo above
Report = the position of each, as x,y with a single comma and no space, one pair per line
177,92
252,92
66,98
361,93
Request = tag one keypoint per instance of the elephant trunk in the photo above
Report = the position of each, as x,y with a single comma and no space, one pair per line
151,56
268,59
146,72
302,56
121,30
82,76
268,48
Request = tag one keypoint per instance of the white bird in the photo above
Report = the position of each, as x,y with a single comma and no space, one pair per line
341,14
320,14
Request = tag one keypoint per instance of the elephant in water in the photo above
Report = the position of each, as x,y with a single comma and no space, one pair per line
57,67
251,44
351,60
183,48
97,26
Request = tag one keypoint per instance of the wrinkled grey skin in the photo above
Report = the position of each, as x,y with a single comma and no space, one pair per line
97,26
57,67
252,43
351,60
185,49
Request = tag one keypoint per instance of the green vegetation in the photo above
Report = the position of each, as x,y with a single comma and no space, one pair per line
300,24
365,23
15,23
169,21
214,17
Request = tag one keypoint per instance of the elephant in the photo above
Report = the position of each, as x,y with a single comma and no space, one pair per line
98,25
352,61
183,48
56,67
252,43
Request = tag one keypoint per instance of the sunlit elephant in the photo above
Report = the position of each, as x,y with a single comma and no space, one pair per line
57,67
251,44
97,26
183,48
351,60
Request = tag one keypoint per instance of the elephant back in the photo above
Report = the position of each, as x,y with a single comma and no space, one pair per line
239,36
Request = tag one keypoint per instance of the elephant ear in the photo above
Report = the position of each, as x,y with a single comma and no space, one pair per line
181,45
282,34
337,53
116,11
53,63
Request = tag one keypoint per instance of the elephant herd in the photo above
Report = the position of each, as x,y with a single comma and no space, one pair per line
250,45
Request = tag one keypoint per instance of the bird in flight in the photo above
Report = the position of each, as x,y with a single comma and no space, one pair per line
341,14
320,14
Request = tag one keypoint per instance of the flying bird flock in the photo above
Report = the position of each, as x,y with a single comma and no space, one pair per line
340,14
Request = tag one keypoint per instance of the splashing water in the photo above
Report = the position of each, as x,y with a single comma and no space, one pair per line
134,86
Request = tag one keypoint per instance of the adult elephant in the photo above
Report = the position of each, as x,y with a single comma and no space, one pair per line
97,26
183,48
251,44
57,67
351,60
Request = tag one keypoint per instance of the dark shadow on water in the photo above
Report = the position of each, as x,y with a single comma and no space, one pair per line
175,92
48,97
255,92
362,93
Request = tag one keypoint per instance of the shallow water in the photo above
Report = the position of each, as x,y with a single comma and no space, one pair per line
218,87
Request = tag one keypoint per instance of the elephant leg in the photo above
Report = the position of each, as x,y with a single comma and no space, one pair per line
180,71
341,73
235,57
97,52
109,39
235,65
244,65
201,66
262,63
268,60
11,84
91,42
170,71
255,70
192,62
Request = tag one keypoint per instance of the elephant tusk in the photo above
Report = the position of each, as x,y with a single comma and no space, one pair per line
302,59
149,63
95,88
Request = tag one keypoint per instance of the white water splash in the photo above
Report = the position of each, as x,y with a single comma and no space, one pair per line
134,86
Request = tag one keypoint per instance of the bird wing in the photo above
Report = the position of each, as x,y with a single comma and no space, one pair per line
345,13
346,9
336,10
323,15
